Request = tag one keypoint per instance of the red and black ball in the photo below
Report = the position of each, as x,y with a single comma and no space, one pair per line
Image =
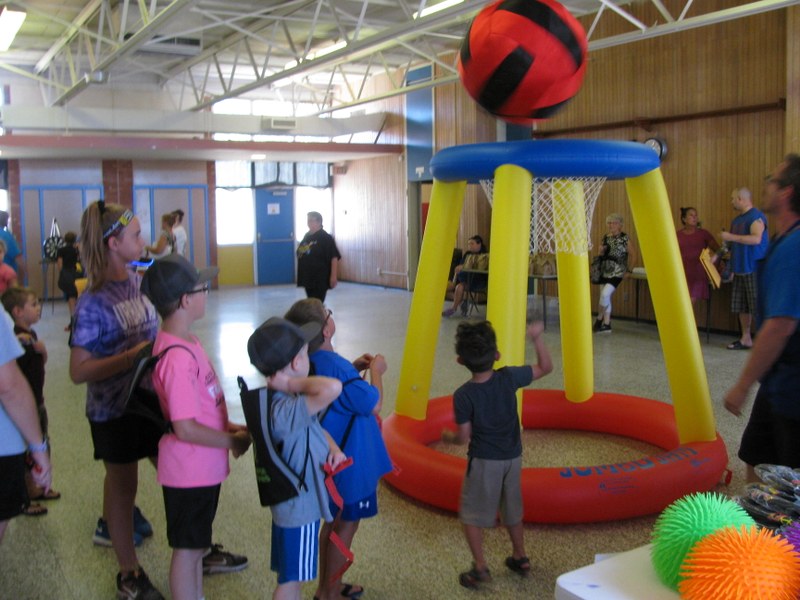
523,60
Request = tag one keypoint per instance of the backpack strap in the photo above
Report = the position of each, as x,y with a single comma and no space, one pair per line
353,416
143,402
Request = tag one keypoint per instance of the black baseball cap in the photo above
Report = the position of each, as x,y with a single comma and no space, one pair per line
277,341
169,278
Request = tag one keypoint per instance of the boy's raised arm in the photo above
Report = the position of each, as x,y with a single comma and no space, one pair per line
319,391
544,363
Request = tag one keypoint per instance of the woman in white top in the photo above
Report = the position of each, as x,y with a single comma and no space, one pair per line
166,241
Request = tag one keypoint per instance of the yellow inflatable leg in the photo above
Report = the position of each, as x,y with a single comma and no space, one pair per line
508,263
447,200
573,290
673,308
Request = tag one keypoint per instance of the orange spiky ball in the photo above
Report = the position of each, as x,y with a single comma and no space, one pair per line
741,564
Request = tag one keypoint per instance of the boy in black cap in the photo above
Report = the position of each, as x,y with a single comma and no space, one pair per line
193,457
279,350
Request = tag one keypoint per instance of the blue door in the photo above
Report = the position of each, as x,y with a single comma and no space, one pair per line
275,236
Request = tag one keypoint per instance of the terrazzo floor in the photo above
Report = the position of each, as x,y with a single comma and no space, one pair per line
410,551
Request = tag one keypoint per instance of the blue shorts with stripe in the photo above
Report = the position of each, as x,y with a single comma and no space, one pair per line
294,552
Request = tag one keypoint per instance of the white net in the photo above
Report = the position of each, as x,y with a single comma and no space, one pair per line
549,198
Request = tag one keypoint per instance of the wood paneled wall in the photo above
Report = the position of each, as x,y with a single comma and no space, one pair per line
460,120
370,222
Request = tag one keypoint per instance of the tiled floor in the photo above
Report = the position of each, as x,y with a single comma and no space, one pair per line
409,551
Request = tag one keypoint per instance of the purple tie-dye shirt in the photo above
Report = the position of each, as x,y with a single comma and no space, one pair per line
108,322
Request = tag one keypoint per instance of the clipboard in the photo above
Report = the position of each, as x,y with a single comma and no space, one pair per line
711,270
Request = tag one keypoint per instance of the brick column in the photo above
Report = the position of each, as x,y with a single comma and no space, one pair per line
118,182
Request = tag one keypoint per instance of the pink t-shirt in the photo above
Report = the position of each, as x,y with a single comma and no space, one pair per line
7,275
188,388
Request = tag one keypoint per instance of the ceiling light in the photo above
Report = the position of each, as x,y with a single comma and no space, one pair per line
10,22
435,8
258,157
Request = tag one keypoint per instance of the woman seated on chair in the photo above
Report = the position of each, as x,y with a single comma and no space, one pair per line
475,258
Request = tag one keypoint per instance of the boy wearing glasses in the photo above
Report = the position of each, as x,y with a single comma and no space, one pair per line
193,457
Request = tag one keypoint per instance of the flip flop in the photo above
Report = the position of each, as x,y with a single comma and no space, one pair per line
49,495
348,591
34,510
737,345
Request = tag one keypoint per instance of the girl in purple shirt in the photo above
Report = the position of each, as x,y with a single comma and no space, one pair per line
113,322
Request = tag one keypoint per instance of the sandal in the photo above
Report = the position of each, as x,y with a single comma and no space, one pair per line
48,495
737,345
34,510
351,591
520,565
473,578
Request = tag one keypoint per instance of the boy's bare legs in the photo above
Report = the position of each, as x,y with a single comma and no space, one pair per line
287,591
331,559
119,493
186,574
517,535
474,537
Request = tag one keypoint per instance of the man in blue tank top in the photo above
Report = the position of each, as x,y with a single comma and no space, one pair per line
748,242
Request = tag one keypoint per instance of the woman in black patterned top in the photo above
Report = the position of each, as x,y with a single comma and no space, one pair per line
618,254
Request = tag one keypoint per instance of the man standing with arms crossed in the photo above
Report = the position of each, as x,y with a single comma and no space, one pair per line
772,434
748,241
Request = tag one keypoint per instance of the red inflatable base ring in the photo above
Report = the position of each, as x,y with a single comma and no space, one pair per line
566,494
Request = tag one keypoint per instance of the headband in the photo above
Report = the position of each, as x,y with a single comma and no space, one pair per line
122,221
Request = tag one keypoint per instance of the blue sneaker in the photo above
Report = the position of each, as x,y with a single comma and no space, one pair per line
141,525
103,538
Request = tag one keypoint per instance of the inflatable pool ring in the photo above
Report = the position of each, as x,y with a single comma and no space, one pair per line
569,494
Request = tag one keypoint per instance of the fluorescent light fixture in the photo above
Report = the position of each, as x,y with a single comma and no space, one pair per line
435,8
258,157
10,22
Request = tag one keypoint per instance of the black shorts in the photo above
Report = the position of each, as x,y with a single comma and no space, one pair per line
13,493
770,438
127,439
66,283
318,291
190,515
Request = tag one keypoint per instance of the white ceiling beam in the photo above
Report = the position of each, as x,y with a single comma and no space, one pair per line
138,39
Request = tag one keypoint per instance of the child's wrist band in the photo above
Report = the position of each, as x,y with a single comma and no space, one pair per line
38,447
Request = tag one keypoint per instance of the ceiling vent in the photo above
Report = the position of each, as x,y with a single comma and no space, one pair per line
282,123
181,46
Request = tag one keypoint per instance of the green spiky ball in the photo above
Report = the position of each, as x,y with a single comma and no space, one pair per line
685,522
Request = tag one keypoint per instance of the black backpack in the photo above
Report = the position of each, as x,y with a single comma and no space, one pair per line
141,401
277,481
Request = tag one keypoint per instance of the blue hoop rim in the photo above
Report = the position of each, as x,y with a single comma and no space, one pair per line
545,158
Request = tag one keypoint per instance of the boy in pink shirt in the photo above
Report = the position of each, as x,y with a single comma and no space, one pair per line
193,457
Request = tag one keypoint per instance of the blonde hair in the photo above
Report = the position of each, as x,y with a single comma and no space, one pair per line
97,219
615,217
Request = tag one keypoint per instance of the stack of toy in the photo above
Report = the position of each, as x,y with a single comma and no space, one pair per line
706,546
774,501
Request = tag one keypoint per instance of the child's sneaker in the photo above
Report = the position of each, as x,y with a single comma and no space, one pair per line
103,538
136,586
218,561
604,328
141,525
